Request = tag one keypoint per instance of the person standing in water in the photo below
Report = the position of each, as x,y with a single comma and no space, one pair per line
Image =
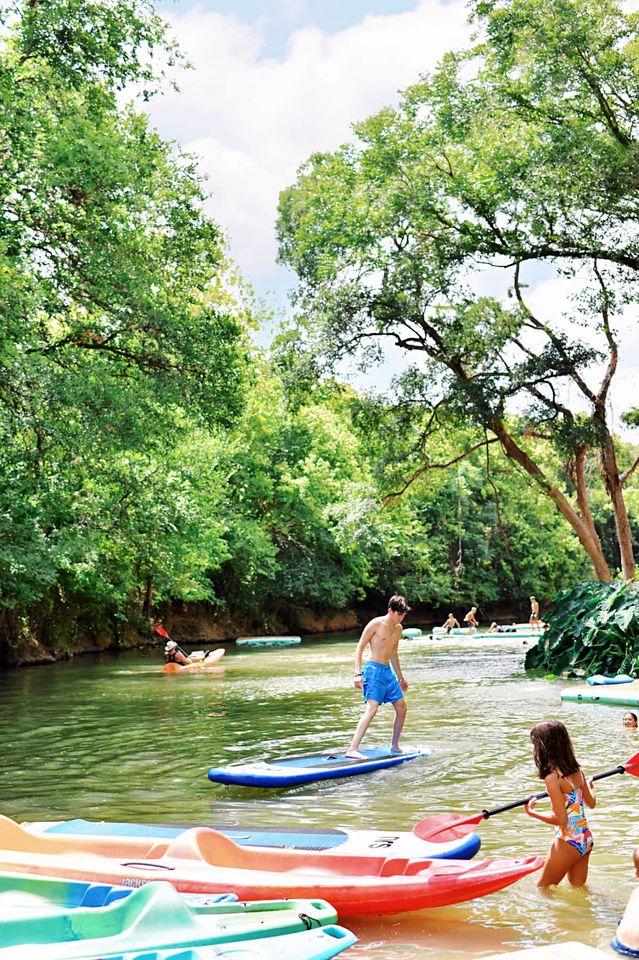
381,678
471,620
568,790
535,621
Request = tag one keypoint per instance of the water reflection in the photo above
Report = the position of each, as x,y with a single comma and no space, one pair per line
111,737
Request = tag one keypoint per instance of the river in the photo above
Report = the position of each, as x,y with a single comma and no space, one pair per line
112,737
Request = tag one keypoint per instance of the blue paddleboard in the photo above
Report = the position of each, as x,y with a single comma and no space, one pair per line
291,771
315,839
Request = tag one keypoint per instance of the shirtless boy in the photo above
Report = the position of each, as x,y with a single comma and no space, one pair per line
471,620
450,622
535,623
381,677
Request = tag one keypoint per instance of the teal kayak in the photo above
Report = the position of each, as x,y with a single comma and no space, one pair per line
156,916
319,944
26,894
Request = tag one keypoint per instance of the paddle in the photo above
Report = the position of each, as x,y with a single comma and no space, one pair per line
451,826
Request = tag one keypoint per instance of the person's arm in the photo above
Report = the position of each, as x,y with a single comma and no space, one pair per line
559,816
181,657
589,793
366,637
394,659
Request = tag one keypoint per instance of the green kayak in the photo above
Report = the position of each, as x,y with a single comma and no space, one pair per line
155,916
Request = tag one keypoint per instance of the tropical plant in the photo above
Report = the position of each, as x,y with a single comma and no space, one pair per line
594,628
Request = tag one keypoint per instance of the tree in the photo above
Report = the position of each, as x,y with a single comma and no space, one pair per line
515,160
116,341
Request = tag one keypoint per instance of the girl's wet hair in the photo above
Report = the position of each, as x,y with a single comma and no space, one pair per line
552,749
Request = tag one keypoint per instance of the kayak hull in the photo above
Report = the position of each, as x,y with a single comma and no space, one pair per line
201,860
155,915
296,770
622,694
315,842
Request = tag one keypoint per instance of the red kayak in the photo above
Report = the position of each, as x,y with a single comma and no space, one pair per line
202,860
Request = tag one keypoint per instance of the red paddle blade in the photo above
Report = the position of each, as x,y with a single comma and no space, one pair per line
446,827
631,766
162,632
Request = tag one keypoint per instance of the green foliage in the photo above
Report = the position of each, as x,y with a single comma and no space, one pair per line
121,356
514,158
594,628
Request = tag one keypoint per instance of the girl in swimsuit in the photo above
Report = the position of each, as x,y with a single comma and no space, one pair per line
568,790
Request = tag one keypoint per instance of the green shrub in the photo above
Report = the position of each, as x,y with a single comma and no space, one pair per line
594,628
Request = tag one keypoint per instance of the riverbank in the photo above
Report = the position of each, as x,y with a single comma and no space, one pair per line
53,638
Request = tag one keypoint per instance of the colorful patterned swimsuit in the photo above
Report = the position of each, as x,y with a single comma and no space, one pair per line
576,832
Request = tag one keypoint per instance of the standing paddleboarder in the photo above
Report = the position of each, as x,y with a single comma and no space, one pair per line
381,677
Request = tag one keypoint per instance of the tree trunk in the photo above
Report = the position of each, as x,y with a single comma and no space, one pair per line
585,531
615,491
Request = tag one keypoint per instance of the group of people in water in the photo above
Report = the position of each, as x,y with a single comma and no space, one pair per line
472,623
569,789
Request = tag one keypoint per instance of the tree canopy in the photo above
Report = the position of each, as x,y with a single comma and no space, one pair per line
116,339
512,162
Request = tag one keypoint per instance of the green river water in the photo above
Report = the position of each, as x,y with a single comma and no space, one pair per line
112,737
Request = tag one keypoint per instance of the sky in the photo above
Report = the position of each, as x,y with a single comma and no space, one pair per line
273,81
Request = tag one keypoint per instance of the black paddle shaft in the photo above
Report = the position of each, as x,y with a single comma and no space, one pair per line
540,796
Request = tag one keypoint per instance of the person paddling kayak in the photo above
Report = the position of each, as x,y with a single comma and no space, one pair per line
173,653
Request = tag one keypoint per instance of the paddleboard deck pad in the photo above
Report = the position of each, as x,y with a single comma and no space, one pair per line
311,839
306,768
621,694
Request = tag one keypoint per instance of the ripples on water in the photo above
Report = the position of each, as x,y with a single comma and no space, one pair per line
114,738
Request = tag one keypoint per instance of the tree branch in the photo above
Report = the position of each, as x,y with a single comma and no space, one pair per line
396,494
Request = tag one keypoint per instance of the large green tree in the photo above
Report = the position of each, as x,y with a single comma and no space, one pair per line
116,341
515,161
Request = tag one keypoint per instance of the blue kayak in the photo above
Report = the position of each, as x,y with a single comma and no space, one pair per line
306,768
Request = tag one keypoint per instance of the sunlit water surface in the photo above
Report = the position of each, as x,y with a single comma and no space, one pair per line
112,737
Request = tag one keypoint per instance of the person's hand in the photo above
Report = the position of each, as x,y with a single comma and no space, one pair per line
358,682
403,684
530,805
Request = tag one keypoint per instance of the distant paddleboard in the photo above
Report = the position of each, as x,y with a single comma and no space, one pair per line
268,641
291,771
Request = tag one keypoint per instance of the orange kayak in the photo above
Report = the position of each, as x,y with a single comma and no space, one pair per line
202,860
210,664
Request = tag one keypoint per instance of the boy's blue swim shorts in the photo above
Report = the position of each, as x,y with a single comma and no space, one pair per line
380,683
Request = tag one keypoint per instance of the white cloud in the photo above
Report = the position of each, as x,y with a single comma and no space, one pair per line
253,120
554,300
